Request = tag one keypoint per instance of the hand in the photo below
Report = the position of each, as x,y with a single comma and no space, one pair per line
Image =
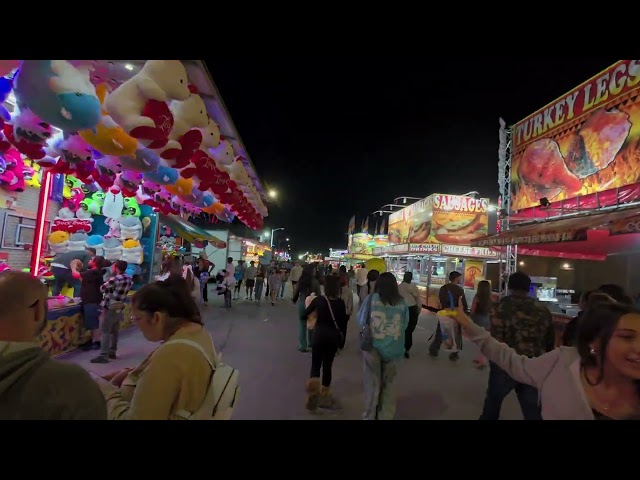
462,318
120,376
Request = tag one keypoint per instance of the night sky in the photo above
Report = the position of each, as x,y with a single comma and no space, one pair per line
342,136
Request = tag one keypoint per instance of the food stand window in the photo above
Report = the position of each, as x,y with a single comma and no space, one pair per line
17,232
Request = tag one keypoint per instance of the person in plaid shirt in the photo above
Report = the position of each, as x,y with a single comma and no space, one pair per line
115,292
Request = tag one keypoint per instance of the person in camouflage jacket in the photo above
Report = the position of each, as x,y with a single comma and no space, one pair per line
526,326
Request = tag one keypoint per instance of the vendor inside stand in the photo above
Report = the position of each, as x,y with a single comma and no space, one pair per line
62,269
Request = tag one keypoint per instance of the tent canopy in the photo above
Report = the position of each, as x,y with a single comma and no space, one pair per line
189,231
588,237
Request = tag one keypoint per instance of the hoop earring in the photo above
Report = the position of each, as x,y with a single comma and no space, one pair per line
592,351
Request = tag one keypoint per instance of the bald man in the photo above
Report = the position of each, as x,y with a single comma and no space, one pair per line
32,385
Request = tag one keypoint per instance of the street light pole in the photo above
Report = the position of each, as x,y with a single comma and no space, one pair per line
272,232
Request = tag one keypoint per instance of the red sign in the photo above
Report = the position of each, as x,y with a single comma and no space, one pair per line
585,142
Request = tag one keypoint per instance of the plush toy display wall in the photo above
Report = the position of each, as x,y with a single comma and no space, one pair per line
147,142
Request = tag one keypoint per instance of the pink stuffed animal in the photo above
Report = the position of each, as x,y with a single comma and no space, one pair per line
13,176
108,168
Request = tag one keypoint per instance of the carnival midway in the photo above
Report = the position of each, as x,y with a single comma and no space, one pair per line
134,232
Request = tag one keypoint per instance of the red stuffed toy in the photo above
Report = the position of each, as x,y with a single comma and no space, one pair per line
162,118
205,169
13,176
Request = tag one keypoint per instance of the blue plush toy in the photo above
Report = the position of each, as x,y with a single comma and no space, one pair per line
58,93
5,90
162,176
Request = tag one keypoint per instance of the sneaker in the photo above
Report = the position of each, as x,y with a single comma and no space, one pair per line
112,356
99,359
273,304
453,357
406,354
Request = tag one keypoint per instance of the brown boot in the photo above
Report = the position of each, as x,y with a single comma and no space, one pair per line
326,399
313,394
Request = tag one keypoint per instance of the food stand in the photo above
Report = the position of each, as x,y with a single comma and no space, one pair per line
431,238
569,176
89,160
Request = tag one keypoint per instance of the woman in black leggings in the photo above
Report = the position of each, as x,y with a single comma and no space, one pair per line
327,337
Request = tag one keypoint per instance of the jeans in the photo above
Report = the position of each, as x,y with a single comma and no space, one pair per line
322,358
110,331
64,276
414,313
258,289
500,385
434,348
284,284
227,298
380,402
205,290
303,342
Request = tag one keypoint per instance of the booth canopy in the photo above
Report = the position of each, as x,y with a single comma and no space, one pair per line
587,236
189,231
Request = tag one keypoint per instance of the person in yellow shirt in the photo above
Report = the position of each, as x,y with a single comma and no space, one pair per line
171,383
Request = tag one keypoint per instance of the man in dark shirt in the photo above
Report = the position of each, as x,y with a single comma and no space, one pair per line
457,292
527,327
61,269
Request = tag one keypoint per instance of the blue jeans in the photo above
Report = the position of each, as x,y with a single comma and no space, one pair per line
501,385
64,276
303,342
258,289
380,402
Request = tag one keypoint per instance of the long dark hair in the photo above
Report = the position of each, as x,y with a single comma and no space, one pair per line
616,292
387,288
171,296
332,286
305,284
372,276
599,323
483,307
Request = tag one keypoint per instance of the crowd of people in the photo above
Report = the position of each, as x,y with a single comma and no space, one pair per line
594,374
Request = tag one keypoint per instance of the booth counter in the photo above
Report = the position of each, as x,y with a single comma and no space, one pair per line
64,331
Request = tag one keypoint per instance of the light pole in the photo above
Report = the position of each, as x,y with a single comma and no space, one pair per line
272,232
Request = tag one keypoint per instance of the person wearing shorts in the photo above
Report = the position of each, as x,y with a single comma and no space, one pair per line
250,280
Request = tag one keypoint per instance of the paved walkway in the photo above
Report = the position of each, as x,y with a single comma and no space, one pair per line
262,343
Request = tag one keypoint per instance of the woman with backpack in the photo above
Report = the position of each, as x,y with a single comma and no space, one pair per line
307,285
172,382
327,338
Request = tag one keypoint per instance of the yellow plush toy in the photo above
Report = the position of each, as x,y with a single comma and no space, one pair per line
34,181
132,252
183,186
109,138
59,242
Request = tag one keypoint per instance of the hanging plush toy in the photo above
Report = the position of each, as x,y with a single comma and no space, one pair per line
58,93
131,208
145,161
162,176
147,192
109,138
28,133
139,104
113,203
5,89
32,174
223,153
129,181
74,155
94,203
188,116
107,168
8,66
12,177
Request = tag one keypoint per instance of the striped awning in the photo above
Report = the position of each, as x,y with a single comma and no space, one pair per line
189,232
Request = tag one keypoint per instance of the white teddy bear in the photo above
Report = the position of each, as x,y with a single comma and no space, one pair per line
223,154
210,135
161,80
187,114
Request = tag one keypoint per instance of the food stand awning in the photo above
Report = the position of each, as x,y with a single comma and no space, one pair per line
189,231
588,237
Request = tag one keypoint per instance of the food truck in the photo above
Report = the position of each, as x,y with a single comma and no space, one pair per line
570,185
431,238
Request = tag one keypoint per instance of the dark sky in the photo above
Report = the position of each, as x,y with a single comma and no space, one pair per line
338,136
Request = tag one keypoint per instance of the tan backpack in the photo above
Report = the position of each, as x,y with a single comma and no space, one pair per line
222,392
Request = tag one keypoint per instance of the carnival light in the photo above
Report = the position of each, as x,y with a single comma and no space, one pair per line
38,236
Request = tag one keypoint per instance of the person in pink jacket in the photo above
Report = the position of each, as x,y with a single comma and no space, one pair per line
598,379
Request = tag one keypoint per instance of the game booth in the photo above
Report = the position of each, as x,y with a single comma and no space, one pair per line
114,156
432,238
570,190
